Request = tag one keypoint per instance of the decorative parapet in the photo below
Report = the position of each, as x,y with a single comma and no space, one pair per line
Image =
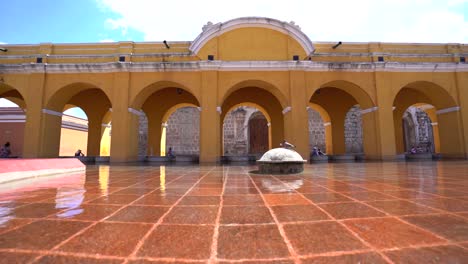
211,30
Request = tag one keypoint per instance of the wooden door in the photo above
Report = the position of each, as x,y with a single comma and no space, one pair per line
258,135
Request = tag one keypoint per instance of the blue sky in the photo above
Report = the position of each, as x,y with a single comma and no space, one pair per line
68,21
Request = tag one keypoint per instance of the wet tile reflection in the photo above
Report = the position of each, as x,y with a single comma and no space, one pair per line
223,214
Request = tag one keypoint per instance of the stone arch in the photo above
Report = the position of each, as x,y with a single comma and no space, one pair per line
272,89
158,101
93,100
445,117
139,99
59,98
361,96
337,98
260,109
263,98
213,30
12,94
174,108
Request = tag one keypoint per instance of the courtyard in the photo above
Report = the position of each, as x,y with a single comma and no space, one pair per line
390,212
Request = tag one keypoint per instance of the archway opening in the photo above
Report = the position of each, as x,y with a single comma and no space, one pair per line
245,131
12,119
172,121
74,131
84,129
182,132
12,122
419,130
426,117
267,122
340,111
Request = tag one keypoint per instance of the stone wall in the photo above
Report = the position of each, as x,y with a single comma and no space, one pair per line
235,130
353,131
316,130
182,133
417,129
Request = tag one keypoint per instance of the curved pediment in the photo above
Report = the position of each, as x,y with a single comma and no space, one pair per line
252,38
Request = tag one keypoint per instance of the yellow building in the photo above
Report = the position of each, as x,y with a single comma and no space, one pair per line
253,61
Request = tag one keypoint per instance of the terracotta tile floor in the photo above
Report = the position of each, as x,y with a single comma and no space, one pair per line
331,213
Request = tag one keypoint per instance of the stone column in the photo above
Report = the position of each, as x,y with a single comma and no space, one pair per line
378,125
210,125
461,84
295,121
124,140
451,134
32,142
94,135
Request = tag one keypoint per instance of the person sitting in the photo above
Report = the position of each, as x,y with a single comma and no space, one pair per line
320,153
315,151
5,150
78,153
170,153
287,145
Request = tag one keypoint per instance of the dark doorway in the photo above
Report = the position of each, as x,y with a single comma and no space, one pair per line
258,134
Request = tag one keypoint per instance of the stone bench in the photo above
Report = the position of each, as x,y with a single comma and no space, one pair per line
343,158
238,158
419,156
318,159
187,158
159,159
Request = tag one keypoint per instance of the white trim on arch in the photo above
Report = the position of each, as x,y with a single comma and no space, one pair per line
211,30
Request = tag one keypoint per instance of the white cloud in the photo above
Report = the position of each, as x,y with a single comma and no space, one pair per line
117,24
358,20
107,40
2,43
7,103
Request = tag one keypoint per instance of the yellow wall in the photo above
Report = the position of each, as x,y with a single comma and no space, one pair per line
72,140
252,65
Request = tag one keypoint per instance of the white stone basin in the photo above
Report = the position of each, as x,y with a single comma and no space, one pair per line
281,161
281,155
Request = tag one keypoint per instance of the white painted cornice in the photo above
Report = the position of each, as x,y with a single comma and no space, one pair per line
52,112
192,66
448,110
211,30
369,110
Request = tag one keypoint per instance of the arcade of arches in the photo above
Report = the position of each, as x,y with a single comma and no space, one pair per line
377,99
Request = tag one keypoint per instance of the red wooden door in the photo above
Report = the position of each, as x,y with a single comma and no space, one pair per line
258,135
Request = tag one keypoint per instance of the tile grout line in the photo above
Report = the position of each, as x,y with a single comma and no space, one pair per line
94,224
349,230
390,215
395,217
332,253
214,245
160,220
286,240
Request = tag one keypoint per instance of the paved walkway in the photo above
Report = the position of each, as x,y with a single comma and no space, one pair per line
331,213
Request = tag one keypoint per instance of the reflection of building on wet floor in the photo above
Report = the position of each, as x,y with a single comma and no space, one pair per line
276,186
157,213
